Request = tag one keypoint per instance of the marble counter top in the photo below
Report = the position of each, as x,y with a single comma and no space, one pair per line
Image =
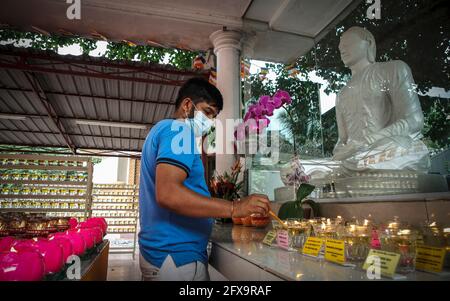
246,244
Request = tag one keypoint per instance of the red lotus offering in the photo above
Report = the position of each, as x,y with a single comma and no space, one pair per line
237,220
95,230
73,223
6,243
65,244
260,221
50,251
76,239
99,222
88,236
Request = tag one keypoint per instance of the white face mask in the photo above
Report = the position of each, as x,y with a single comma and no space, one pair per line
201,124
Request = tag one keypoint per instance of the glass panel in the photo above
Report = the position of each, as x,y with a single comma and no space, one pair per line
389,132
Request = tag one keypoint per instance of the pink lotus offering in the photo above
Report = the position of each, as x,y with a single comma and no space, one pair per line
95,230
53,254
21,266
50,251
73,223
98,235
256,119
65,243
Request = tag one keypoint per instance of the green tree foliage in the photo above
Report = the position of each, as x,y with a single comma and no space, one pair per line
415,31
181,59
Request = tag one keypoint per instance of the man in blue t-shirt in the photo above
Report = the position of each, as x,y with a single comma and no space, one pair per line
176,209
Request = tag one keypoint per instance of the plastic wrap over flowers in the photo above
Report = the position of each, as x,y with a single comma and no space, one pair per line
293,173
256,117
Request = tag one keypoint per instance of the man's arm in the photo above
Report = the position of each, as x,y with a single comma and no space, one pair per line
173,195
407,115
340,149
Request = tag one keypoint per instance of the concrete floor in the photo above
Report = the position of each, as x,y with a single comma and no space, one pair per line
122,267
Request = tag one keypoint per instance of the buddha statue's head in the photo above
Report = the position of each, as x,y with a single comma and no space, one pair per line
357,44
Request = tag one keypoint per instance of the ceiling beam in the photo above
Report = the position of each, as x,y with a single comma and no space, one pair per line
101,75
6,150
171,12
285,5
132,66
6,144
71,134
47,92
34,82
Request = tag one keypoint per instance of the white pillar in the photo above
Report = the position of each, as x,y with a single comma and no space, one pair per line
227,48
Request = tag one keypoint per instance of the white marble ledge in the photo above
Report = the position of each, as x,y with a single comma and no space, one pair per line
244,244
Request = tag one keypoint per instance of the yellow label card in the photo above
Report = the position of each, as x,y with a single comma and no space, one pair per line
386,261
335,251
312,246
283,239
430,259
270,237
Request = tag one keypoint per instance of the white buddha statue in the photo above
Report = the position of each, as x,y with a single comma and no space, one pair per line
378,112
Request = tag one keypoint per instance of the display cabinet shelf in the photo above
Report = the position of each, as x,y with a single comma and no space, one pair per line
116,217
42,167
113,209
41,197
117,202
40,210
59,184
119,187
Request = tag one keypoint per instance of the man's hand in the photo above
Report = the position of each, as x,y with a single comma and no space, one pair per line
252,204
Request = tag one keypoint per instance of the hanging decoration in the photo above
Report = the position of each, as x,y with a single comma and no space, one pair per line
245,68
98,36
263,73
41,31
210,59
213,76
199,62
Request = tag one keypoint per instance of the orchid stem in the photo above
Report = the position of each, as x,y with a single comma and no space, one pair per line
293,135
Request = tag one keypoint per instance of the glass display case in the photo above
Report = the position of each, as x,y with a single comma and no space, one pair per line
384,135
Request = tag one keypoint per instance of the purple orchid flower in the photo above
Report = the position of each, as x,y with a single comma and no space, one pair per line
256,117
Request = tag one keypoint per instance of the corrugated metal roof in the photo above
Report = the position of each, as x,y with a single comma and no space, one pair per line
47,93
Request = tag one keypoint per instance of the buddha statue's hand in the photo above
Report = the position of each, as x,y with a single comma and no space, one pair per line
349,150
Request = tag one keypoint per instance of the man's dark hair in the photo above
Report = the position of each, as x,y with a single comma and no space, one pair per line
200,90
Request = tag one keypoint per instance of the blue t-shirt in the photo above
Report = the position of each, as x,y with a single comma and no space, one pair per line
164,232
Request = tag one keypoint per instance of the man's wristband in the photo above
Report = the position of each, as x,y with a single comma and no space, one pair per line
233,205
